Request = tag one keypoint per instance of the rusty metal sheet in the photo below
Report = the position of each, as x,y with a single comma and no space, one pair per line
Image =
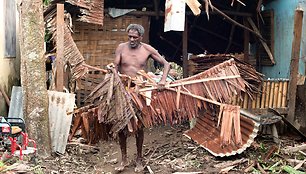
206,133
59,105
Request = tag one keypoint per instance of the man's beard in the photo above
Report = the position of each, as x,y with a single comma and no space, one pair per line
133,44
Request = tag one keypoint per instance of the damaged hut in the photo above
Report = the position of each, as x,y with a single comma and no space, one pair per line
219,84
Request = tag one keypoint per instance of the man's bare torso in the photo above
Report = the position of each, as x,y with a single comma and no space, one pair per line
133,59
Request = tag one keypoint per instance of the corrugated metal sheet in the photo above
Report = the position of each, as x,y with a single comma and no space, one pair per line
207,134
15,110
59,104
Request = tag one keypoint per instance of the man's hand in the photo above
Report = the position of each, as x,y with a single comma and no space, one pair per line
161,85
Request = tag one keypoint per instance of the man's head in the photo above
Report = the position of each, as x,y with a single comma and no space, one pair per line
135,33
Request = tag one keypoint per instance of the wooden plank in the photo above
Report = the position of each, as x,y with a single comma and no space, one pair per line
264,44
59,80
294,64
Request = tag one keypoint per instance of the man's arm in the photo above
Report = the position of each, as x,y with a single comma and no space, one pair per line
156,56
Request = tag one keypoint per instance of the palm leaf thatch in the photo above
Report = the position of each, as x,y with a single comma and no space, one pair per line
113,102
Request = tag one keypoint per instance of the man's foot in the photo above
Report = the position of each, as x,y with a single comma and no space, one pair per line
139,167
122,166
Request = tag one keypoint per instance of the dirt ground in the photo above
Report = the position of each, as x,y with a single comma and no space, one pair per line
167,150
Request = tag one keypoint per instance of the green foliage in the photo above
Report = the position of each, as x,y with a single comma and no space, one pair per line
46,2
291,170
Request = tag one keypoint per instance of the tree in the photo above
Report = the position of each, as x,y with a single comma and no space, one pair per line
33,74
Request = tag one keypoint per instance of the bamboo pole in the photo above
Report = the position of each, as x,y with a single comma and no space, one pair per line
234,100
271,94
284,95
275,94
267,94
279,97
245,101
258,95
94,68
196,96
263,94
253,105
190,82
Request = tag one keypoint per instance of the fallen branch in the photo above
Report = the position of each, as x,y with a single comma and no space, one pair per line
294,149
166,153
7,99
300,164
187,172
260,168
150,170
230,163
249,167
294,162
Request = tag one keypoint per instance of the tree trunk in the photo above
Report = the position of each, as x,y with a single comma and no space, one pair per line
33,74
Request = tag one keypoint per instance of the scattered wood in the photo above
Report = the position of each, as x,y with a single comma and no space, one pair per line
289,150
249,167
150,170
303,153
84,146
166,153
187,173
260,168
270,152
299,165
294,162
230,163
227,169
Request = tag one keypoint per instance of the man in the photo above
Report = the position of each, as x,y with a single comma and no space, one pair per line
131,57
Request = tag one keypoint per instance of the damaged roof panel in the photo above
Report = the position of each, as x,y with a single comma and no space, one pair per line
207,134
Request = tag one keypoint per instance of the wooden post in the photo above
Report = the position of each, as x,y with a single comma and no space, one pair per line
59,79
294,64
185,49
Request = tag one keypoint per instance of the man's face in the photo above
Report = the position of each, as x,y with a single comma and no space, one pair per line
134,38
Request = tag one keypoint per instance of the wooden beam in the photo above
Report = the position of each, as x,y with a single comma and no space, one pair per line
59,79
161,13
246,41
294,64
264,44
185,49
232,32
237,23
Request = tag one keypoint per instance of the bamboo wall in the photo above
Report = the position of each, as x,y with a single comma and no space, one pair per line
98,43
274,95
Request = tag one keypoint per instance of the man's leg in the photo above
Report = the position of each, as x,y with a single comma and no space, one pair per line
122,142
139,144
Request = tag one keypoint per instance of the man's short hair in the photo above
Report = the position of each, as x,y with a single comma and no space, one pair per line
137,27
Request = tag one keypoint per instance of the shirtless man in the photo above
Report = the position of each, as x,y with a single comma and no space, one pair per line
131,57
